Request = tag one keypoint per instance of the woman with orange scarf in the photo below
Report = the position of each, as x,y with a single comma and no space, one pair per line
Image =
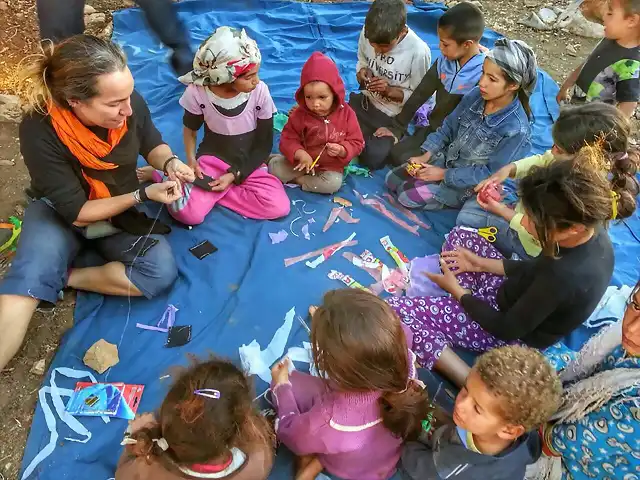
80,141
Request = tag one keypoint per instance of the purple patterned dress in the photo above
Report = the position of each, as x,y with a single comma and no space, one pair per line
437,322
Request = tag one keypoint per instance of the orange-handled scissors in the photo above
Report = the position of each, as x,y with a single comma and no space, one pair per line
488,233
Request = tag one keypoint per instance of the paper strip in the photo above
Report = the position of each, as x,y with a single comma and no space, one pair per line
293,260
380,207
347,280
406,212
401,260
344,215
258,362
169,316
278,237
333,215
328,252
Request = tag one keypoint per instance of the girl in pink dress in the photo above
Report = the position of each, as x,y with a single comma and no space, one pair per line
225,94
353,421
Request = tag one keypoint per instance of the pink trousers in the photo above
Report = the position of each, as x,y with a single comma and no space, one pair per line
261,196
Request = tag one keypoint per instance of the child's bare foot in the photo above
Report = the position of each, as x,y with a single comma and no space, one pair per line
312,310
145,174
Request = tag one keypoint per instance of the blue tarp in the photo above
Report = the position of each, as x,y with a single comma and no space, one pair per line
243,291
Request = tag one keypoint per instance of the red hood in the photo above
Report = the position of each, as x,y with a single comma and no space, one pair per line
320,68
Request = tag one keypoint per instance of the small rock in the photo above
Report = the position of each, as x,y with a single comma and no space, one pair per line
547,15
531,3
88,10
3,6
10,109
38,368
7,163
107,31
19,210
572,50
584,28
534,21
94,19
19,16
101,356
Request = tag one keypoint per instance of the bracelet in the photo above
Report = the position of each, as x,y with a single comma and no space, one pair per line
166,163
136,196
142,193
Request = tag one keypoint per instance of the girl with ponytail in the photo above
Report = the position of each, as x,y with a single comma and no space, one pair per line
352,421
206,427
496,301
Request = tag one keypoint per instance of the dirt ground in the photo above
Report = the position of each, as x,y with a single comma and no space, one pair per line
19,387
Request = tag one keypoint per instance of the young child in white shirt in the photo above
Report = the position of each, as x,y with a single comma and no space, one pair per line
392,60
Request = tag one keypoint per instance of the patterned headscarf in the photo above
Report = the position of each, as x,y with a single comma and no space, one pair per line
223,57
518,60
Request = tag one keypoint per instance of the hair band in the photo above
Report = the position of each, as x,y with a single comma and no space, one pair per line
614,204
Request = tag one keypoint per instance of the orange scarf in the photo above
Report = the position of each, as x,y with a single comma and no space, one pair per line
86,146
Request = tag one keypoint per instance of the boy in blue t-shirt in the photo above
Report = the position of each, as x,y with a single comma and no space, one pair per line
450,77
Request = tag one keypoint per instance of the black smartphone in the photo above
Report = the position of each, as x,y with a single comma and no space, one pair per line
204,182
203,249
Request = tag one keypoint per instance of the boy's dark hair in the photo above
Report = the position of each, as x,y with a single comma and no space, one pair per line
462,22
527,386
385,21
199,429
577,192
359,345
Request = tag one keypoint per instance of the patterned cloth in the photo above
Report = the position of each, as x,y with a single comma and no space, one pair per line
604,443
437,322
223,57
518,60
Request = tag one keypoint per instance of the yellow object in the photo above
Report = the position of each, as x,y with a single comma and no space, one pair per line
488,233
413,168
342,201
14,235
614,204
318,157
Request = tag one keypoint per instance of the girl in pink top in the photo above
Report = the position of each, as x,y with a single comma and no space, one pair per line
353,423
225,94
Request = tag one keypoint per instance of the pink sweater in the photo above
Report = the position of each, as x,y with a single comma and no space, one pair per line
343,429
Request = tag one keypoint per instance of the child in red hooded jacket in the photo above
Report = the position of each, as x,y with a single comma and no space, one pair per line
322,125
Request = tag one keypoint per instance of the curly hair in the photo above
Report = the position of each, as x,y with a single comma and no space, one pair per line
528,387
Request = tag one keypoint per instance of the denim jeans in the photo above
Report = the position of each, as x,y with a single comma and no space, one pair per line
40,268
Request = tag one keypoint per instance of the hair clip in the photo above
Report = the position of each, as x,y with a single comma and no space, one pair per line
208,392
162,443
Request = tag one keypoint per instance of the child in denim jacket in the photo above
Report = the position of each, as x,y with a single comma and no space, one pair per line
488,129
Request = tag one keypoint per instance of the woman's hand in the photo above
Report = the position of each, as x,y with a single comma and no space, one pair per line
178,171
499,177
462,260
447,280
280,371
223,182
195,166
429,173
166,192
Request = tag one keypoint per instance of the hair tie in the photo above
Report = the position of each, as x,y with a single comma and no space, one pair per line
614,204
415,381
162,443
208,392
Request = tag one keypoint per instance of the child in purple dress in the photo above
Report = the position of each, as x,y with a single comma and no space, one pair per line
353,421
495,301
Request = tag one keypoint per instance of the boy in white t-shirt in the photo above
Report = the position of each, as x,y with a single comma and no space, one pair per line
392,60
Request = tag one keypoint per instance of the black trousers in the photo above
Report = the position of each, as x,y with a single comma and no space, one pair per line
409,146
376,149
61,19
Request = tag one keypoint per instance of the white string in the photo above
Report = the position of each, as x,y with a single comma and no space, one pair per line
126,324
